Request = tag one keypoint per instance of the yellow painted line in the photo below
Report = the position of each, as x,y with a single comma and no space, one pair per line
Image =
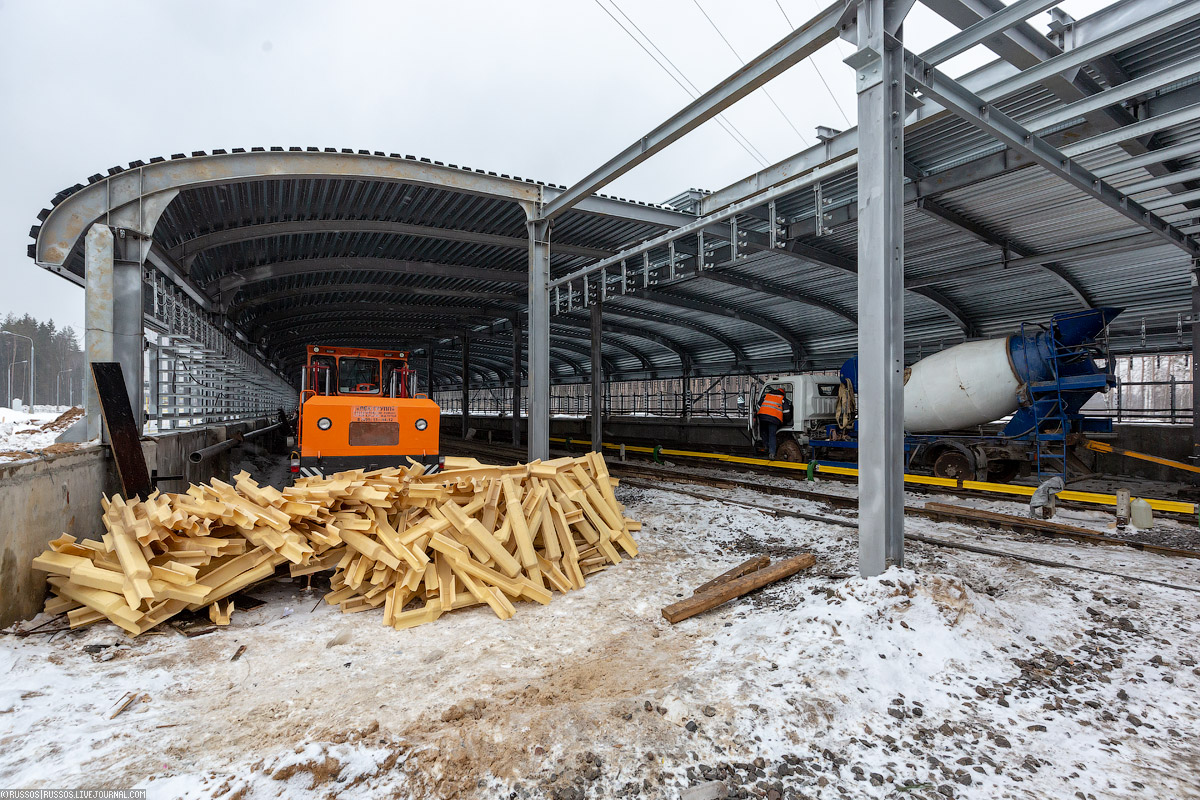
1093,498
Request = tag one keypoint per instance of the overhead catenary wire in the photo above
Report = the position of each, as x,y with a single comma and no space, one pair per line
820,75
683,82
729,127
741,60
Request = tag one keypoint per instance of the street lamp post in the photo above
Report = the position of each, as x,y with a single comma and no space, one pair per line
10,377
70,388
32,374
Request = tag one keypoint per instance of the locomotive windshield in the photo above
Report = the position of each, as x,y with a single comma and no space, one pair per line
358,375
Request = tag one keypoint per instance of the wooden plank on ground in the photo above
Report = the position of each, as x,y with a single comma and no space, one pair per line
704,601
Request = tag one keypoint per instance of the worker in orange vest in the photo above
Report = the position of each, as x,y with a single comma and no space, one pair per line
771,408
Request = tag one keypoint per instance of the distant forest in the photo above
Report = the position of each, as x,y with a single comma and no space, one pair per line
57,357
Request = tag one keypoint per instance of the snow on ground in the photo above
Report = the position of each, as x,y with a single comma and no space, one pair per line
23,435
961,676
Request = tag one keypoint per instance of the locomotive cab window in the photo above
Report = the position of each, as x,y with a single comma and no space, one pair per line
827,389
358,376
322,373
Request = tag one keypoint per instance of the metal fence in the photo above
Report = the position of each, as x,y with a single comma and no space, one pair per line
196,374
1152,388
712,397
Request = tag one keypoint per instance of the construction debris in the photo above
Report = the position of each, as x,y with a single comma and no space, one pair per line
726,587
412,544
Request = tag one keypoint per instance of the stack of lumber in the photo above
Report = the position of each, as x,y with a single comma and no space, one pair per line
415,545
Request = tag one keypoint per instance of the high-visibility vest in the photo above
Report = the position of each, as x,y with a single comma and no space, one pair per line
771,406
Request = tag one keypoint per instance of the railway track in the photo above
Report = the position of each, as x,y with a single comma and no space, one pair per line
491,449
651,477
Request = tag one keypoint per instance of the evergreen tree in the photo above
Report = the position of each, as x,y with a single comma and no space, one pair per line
58,360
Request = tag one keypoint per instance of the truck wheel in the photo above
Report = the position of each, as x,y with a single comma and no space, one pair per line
953,465
789,450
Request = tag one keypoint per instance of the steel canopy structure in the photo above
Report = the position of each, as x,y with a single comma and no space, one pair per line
1065,174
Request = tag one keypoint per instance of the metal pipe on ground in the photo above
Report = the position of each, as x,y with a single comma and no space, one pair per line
205,453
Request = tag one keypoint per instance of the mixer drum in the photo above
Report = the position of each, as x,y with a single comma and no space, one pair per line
966,385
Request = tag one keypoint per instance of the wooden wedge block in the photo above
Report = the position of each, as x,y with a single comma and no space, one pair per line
220,612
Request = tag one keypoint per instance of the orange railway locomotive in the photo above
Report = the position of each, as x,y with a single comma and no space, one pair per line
359,409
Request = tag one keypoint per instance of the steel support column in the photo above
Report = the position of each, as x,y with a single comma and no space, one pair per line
129,331
880,82
597,329
113,315
1195,351
466,384
516,381
429,370
98,316
539,338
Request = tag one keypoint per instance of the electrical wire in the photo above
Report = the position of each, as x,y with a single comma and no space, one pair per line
743,62
720,117
727,126
812,61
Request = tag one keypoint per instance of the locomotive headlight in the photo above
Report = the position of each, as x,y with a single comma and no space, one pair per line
324,423
422,424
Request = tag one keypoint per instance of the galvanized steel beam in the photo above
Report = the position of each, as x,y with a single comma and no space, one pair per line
98,338
799,352
187,251
937,211
597,375
539,335
266,298
791,50
150,187
465,417
333,265
988,118
517,367
775,290
281,321
1157,16
880,82
735,350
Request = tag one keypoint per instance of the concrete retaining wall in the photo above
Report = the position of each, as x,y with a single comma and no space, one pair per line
60,493
39,500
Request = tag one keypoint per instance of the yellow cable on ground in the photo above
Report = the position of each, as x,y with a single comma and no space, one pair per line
1091,498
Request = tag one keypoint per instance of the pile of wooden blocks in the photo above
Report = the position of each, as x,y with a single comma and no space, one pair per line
469,535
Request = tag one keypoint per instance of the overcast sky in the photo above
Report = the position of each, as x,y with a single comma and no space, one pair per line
546,89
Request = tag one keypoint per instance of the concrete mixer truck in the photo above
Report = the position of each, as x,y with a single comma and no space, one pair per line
981,410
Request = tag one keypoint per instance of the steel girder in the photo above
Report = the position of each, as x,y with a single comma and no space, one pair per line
1155,16
188,251
775,290
986,117
799,352
136,197
371,336
333,264
879,266
275,318
679,350
267,298
952,218
738,354
827,258
585,348
791,50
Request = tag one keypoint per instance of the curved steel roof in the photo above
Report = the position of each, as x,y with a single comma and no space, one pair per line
307,245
